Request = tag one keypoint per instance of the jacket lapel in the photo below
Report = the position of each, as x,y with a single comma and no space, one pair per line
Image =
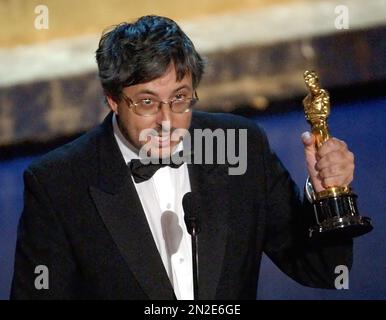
118,204
209,184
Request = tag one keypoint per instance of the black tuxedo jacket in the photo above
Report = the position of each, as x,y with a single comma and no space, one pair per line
83,219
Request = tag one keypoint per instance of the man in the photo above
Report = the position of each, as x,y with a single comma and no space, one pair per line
108,227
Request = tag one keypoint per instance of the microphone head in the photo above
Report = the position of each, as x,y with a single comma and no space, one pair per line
191,216
187,203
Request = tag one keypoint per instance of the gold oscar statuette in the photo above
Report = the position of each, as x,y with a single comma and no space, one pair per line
336,212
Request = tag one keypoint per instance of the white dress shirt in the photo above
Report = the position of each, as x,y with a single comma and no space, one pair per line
161,199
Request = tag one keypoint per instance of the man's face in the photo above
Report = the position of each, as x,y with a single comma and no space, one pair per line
164,88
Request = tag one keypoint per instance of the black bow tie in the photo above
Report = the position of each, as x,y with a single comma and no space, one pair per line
142,172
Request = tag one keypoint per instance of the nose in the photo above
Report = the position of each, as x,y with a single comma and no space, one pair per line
164,113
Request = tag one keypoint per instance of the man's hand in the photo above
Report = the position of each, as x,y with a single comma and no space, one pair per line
331,166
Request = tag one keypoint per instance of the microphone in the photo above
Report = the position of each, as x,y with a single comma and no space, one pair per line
191,216
193,227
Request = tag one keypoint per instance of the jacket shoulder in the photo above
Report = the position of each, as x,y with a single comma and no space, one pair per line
225,121
60,160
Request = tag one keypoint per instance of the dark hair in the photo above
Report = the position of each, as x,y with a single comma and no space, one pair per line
139,52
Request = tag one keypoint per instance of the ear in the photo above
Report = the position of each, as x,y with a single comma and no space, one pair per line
113,105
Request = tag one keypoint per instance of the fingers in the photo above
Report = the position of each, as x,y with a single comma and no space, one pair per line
308,139
335,164
338,181
332,144
338,157
310,152
331,165
336,175
332,171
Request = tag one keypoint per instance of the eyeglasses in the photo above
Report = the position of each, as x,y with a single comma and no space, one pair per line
149,106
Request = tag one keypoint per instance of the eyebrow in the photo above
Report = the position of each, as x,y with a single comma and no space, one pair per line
185,86
148,91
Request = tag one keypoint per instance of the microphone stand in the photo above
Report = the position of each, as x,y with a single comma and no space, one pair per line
194,259
193,227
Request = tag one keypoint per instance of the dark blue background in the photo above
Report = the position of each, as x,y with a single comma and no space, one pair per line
360,124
